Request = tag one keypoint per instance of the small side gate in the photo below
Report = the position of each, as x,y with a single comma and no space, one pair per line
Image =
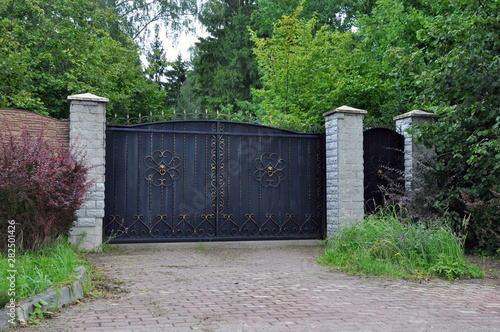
383,154
204,180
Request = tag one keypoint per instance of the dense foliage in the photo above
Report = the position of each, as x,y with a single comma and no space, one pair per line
42,184
461,82
307,72
339,15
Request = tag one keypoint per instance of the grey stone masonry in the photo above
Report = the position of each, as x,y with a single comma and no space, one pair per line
344,167
87,134
413,152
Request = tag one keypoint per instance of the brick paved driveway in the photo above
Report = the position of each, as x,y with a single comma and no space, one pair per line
271,289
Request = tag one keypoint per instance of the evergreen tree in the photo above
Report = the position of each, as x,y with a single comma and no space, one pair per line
224,62
157,61
175,78
189,101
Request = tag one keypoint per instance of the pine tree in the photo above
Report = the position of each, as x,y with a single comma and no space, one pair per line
175,77
224,62
157,61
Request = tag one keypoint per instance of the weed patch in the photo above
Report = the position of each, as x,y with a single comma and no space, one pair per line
102,286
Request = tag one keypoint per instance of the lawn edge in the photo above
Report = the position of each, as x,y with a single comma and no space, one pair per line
54,298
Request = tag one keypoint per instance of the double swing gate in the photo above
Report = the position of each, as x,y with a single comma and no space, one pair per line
201,180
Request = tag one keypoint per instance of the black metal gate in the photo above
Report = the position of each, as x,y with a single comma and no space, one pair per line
212,180
383,154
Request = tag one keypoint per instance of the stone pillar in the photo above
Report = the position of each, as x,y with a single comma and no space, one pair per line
344,167
87,134
413,151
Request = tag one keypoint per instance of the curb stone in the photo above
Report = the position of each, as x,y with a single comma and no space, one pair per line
58,298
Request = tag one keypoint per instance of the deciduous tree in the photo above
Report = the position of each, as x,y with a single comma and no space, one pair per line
138,16
307,71
57,48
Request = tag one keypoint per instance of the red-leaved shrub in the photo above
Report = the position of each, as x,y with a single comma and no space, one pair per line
42,185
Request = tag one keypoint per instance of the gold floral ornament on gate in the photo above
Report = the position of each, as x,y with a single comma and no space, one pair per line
270,170
161,168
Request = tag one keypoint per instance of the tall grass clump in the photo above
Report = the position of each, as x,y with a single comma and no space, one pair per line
38,271
383,244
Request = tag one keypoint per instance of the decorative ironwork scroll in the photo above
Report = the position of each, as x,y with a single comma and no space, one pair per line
270,170
161,168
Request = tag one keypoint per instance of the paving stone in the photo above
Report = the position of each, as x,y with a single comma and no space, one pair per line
270,289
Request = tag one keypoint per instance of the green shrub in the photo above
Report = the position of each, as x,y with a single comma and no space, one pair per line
383,244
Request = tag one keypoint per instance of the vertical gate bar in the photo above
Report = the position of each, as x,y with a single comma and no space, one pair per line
173,187
290,175
269,198
195,196
239,179
228,212
110,186
250,176
126,176
300,184
323,188
309,159
221,174
162,193
114,176
184,169
213,175
260,187
216,170
150,185
206,175
280,189
139,174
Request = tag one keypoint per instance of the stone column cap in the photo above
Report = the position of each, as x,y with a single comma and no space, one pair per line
88,97
345,109
415,114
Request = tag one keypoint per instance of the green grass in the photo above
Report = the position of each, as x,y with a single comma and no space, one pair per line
384,245
37,272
